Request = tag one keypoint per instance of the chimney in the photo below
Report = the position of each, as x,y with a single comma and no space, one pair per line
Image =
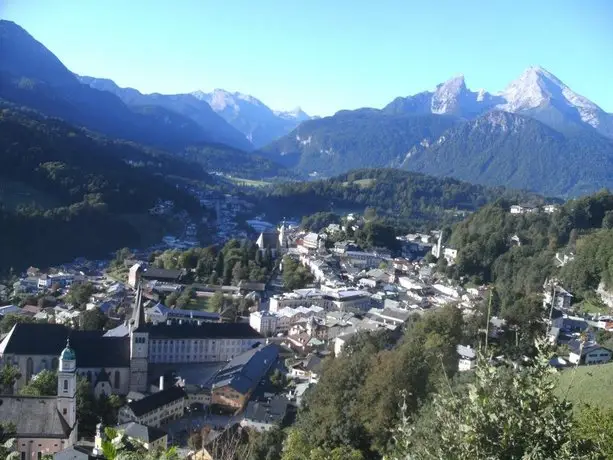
161,382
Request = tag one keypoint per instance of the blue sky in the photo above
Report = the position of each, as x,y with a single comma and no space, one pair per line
325,55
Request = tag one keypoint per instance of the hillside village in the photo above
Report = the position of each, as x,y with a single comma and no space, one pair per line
177,371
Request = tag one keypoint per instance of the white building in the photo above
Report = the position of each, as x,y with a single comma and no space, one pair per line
450,255
264,322
310,241
467,358
589,353
550,208
330,299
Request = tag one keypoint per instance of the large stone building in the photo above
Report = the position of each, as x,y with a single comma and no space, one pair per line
119,359
233,385
35,347
45,424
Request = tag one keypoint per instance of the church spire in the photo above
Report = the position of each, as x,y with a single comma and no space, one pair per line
138,314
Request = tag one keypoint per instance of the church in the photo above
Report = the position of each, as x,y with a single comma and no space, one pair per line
45,424
117,361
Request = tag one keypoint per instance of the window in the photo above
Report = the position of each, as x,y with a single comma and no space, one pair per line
89,376
29,369
66,385
54,363
39,455
64,411
23,454
117,379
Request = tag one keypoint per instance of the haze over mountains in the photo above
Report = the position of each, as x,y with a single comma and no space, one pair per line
536,134
257,123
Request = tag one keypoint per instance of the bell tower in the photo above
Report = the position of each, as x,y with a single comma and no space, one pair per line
139,345
67,389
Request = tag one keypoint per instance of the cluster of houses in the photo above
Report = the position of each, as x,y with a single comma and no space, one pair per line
49,288
531,209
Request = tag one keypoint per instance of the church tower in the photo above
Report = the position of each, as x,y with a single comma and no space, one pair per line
67,389
282,236
139,345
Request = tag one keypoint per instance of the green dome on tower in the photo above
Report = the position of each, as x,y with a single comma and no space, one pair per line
68,353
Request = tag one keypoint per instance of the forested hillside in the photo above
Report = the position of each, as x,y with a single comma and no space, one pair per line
487,254
354,139
234,162
401,196
519,152
65,191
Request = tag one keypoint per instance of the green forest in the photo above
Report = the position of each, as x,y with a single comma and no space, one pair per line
65,192
404,198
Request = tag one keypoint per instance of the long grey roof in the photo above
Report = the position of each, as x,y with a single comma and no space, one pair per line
155,400
91,347
34,416
245,371
204,331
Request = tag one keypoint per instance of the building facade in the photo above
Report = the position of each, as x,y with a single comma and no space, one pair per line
263,322
45,425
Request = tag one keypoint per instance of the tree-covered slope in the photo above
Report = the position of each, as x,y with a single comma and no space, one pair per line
399,195
501,148
89,183
30,75
354,139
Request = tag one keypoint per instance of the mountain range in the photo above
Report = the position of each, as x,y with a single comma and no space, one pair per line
536,93
536,134
257,124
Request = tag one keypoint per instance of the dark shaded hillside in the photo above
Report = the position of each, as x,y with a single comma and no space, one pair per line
93,182
512,150
30,75
234,162
354,139
185,105
405,197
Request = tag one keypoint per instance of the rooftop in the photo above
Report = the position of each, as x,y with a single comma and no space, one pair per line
155,400
34,416
141,432
245,371
204,330
92,348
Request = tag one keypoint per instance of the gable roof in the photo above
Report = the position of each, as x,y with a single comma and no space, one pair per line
141,432
588,347
245,371
92,348
155,400
272,411
268,239
204,330
34,416
161,274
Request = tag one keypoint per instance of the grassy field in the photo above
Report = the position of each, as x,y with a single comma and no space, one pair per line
248,182
362,183
593,306
200,304
588,385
